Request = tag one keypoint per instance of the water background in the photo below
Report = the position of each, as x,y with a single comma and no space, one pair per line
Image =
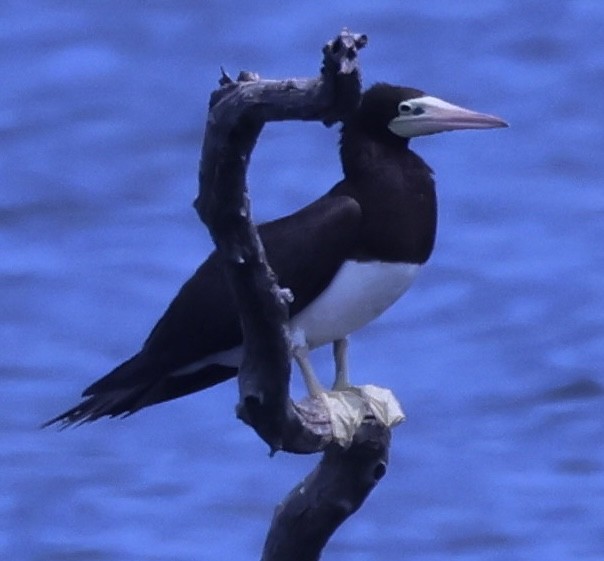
496,352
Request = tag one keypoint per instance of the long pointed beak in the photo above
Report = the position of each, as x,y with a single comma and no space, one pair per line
448,117
432,115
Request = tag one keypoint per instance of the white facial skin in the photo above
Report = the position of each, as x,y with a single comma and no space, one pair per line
429,115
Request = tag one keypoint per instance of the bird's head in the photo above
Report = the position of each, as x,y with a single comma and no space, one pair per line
407,113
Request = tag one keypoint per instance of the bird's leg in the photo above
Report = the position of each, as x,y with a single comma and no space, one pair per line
340,355
312,382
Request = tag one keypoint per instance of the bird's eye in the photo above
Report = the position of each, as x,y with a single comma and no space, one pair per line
404,107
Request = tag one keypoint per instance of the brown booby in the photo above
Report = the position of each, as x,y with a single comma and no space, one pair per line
346,258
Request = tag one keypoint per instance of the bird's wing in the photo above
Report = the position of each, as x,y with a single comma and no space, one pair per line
319,237
202,319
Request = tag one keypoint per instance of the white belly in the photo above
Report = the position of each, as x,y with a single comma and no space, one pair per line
358,294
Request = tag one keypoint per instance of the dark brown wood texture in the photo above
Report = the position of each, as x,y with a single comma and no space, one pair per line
344,477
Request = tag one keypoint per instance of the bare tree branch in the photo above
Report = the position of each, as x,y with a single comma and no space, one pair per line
344,477
238,111
333,491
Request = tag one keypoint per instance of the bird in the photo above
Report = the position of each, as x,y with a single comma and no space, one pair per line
346,258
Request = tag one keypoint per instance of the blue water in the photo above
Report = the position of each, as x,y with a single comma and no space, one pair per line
496,352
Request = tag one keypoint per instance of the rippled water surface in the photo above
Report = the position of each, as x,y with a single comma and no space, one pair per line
496,352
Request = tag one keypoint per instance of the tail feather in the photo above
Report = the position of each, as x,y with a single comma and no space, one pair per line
128,399
111,404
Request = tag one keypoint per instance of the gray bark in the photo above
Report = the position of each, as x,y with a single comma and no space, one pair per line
344,477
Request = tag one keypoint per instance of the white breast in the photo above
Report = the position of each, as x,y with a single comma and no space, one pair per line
358,294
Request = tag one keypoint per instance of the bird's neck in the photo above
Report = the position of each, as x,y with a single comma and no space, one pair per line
395,190
374,153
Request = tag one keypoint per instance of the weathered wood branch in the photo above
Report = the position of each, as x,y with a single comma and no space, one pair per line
343,479
238,111
334,490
